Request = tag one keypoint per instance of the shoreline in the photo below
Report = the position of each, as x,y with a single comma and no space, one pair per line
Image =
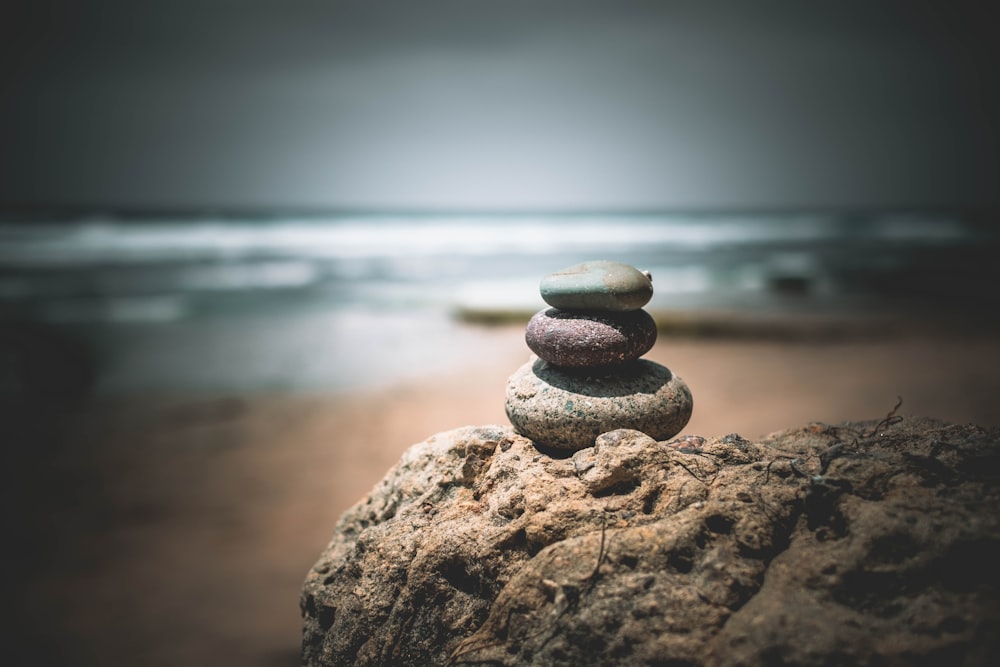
798,323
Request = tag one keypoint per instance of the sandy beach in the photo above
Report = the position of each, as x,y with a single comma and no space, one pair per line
177,529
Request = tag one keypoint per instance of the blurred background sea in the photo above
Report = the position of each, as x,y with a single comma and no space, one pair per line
339,302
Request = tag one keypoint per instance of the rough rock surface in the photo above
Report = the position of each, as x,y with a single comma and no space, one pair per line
577,339
566,408
859,544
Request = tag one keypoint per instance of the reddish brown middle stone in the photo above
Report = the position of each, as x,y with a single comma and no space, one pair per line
576,339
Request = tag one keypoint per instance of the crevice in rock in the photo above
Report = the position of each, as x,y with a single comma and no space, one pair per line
681,560
325,617
465,578
821,506
719,524
511,511
746,551
622,488
701,539
552,452
650,500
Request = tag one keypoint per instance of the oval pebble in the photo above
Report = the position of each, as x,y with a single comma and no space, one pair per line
574,338
597,285
566,409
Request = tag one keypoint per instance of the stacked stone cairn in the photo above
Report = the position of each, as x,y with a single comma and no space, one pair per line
588,377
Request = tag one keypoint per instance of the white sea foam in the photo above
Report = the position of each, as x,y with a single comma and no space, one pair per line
123,242
440,262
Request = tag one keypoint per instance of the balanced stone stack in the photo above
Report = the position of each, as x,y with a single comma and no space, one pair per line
588,377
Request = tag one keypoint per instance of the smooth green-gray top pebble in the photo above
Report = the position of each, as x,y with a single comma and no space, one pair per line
597,285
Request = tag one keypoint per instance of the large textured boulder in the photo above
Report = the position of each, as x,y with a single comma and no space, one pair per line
859,544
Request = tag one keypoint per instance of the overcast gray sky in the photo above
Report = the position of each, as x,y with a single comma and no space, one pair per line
511,105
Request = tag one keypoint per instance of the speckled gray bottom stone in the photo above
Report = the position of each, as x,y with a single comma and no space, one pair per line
567,409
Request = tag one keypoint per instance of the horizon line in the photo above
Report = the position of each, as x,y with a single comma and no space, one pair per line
62,212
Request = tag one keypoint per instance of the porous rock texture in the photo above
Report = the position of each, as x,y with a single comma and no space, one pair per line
858,544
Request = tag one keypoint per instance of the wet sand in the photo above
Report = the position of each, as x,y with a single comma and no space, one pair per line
176,530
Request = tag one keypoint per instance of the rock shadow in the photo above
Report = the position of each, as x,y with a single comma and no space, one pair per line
632,377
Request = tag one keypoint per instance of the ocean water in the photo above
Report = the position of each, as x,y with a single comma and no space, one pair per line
347,301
